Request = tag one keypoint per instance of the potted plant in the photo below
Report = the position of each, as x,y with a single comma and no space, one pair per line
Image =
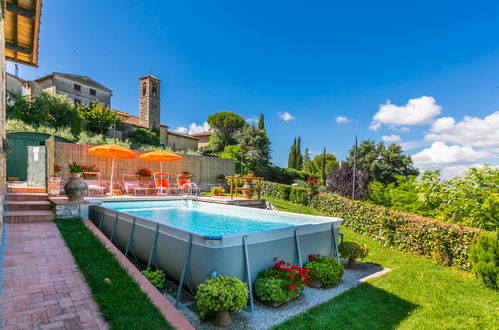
324,272
248,189
76,188
57,169
144,174
219,295
217,191
281,283
221,178
353,251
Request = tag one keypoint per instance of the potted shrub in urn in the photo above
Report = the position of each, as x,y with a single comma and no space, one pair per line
220,178
248,189
217,191
219,295
353,251
57,169
76,188
324,272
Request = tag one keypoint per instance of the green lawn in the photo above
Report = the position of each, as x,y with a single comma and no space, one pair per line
122,304
416,294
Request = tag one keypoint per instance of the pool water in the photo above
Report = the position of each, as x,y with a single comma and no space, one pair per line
209,219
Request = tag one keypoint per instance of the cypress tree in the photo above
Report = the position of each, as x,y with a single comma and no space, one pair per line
299,156
292,155
261,124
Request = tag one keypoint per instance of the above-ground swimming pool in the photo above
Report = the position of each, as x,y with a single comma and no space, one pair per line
189,239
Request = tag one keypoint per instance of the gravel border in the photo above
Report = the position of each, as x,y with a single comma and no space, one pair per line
264,317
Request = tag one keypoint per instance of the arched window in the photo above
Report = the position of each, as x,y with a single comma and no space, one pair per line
154,90
144,89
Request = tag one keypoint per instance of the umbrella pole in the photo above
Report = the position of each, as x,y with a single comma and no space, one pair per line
112,174
161,175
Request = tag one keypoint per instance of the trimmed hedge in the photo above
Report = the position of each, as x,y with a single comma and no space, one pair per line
448,244
288,193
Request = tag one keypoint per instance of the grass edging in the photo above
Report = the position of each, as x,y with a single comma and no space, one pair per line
122,302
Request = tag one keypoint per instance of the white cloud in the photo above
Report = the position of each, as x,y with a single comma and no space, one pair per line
252,120
471,131
418,111
342,120
453,171
441,154
391,138
409,145
405,129
193,128
286,116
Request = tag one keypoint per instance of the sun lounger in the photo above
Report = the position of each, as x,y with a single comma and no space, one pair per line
131,185
162,184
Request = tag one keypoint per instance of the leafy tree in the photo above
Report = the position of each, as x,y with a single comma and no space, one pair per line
315,166
340,182
382,162
226,124
256,147
216,145
145,136
45,109
261,123
98,118
232,152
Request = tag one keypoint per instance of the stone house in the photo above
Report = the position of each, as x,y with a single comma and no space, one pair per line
203,138
81,89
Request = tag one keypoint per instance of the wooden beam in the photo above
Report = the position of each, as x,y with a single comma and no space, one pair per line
20,10
18,48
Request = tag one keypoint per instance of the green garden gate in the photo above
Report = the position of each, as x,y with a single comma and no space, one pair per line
17,158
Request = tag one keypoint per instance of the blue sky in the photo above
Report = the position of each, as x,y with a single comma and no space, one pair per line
316,61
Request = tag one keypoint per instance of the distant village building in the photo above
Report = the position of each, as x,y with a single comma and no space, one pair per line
203,138
13,84
84,91
81,89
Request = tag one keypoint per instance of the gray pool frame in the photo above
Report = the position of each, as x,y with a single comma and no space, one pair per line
191,258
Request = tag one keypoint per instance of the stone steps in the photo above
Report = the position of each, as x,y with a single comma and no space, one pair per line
37,205
12,196
28,216
26,190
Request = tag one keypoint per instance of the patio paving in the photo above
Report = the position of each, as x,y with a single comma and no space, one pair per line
42,286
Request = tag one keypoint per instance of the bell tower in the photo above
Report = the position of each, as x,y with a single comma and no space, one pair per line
150,101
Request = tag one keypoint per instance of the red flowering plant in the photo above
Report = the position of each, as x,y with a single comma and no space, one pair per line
57,168
313,187
281,283
144,173
89,170
75,168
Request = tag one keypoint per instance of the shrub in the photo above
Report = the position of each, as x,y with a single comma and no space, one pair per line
446,243
298,195
156,277
327,270
353,250
281,283
284,192
217,190
219,293
484,257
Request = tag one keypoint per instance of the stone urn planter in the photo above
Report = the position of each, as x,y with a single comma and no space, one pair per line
222,318
76,188
248,189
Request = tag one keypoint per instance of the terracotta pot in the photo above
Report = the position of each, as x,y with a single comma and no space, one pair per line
351,264
248,189
218,194
220,180
75,175
315,283
222,318
76,188
274,304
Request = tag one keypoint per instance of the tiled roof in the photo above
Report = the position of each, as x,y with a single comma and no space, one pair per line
79,78
202,134
183,135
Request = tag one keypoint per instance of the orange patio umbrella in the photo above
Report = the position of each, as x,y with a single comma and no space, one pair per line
160,156
114,152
